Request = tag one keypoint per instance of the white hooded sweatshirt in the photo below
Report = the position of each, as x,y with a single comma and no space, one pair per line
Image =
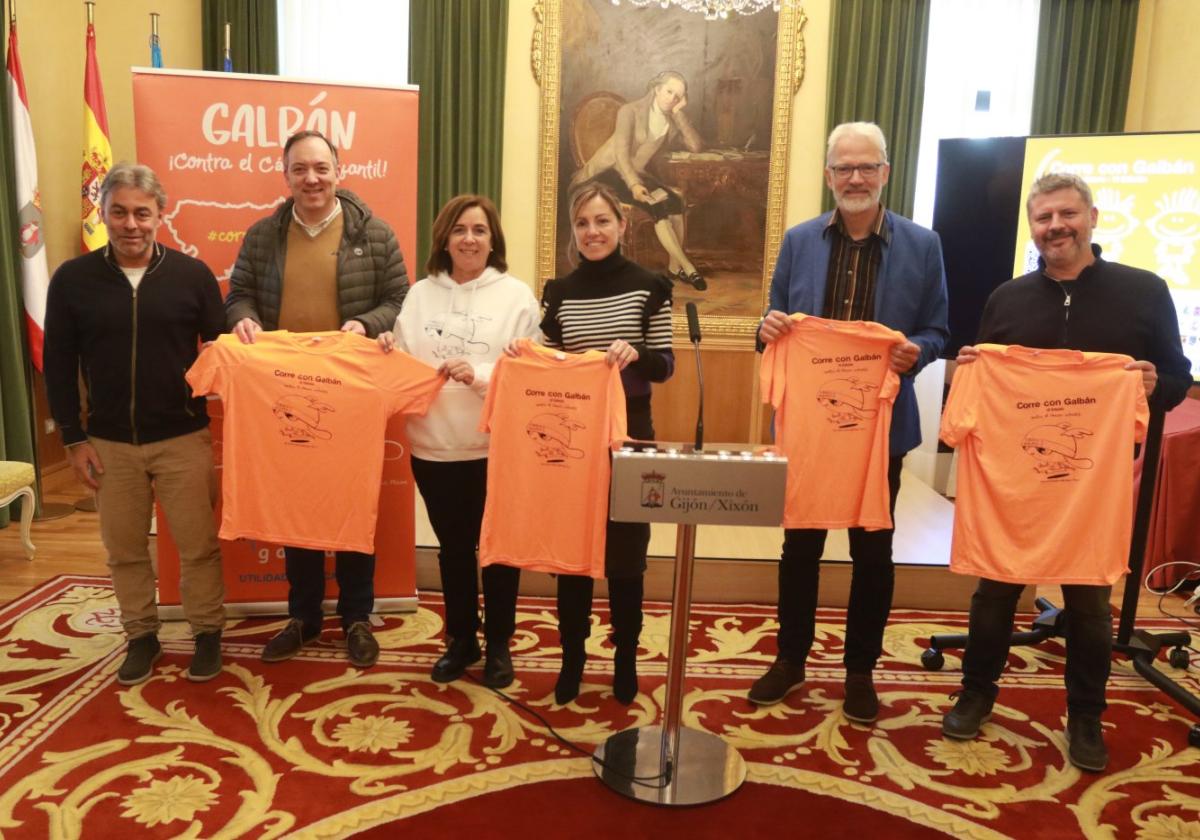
442,320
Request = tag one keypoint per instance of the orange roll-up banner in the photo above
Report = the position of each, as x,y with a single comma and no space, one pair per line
215,140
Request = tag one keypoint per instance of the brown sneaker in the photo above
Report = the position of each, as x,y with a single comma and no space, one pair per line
287,642
206,663
971,711
140,656
1085,739
777,683
862,703
361,646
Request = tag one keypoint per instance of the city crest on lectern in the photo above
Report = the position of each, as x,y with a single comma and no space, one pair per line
653,489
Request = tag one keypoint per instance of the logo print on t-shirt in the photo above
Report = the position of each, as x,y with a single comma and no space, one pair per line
1055,450
300,419
455,334
551,436
848,403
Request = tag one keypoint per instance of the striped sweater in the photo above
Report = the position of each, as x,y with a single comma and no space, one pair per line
603,300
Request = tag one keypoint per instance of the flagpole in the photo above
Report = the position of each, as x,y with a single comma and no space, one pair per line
155,47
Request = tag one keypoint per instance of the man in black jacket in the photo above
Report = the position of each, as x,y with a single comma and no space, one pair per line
131,316
1076,300
320,262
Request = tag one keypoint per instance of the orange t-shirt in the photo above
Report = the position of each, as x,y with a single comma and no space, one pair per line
1045,464
305,417
832,390
553,418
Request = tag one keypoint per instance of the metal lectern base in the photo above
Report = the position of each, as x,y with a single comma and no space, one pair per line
707,769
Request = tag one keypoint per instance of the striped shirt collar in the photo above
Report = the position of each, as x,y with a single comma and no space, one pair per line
880,228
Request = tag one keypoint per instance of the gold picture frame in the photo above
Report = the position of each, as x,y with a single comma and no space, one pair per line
730,323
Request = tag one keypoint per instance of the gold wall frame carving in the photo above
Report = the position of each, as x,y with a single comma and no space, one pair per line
720,331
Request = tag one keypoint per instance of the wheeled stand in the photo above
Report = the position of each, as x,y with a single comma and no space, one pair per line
1141,646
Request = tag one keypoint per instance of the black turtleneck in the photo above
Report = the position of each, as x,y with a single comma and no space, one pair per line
609,299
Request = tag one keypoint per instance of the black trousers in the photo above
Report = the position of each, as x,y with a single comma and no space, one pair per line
575,610
624,565
355,573
454,494
1089,641
871,583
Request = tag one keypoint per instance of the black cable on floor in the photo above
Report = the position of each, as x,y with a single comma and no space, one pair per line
644,781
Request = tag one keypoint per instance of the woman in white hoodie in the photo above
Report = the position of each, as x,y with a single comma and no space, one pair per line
460,318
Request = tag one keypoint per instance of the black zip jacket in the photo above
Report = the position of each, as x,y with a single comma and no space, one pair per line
1109,308
132,348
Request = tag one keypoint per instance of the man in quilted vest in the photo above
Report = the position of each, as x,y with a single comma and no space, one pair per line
320,262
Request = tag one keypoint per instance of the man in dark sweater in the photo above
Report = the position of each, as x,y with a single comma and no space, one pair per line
130,317
1075,300
321,262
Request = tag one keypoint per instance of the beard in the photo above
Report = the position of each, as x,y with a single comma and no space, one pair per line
857,202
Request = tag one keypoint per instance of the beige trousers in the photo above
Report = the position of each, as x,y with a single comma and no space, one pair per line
179,471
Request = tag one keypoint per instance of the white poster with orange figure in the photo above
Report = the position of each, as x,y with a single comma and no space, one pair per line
215,140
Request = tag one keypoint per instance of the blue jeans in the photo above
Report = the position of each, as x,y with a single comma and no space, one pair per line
1088,619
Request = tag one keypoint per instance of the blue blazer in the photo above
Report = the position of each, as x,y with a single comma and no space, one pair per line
910,296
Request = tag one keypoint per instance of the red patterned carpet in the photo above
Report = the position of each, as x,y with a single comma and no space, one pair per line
314,748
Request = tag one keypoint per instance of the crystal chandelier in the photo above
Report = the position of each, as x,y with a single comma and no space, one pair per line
713,9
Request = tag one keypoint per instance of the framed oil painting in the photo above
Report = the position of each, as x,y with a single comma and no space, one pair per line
687,120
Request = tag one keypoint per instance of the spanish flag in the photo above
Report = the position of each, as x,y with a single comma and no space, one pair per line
97,151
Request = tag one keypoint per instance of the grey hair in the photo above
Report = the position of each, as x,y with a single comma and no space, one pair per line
867,130
134,175
1055,181
664,77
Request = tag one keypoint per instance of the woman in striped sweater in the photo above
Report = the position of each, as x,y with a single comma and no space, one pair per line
613,305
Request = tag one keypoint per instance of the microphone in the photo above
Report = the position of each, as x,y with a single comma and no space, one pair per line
694,336
693,323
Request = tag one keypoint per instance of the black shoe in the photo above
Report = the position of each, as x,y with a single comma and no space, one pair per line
1085,737
459,655
693,279
862,703
287,642
497,666
566,688
361,646
206,663
625,679
970,712
773,686
140,656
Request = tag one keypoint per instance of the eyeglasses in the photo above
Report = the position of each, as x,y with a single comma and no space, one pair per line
846,170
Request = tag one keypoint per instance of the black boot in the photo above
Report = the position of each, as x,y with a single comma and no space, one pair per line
574,626
625,604
574,657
